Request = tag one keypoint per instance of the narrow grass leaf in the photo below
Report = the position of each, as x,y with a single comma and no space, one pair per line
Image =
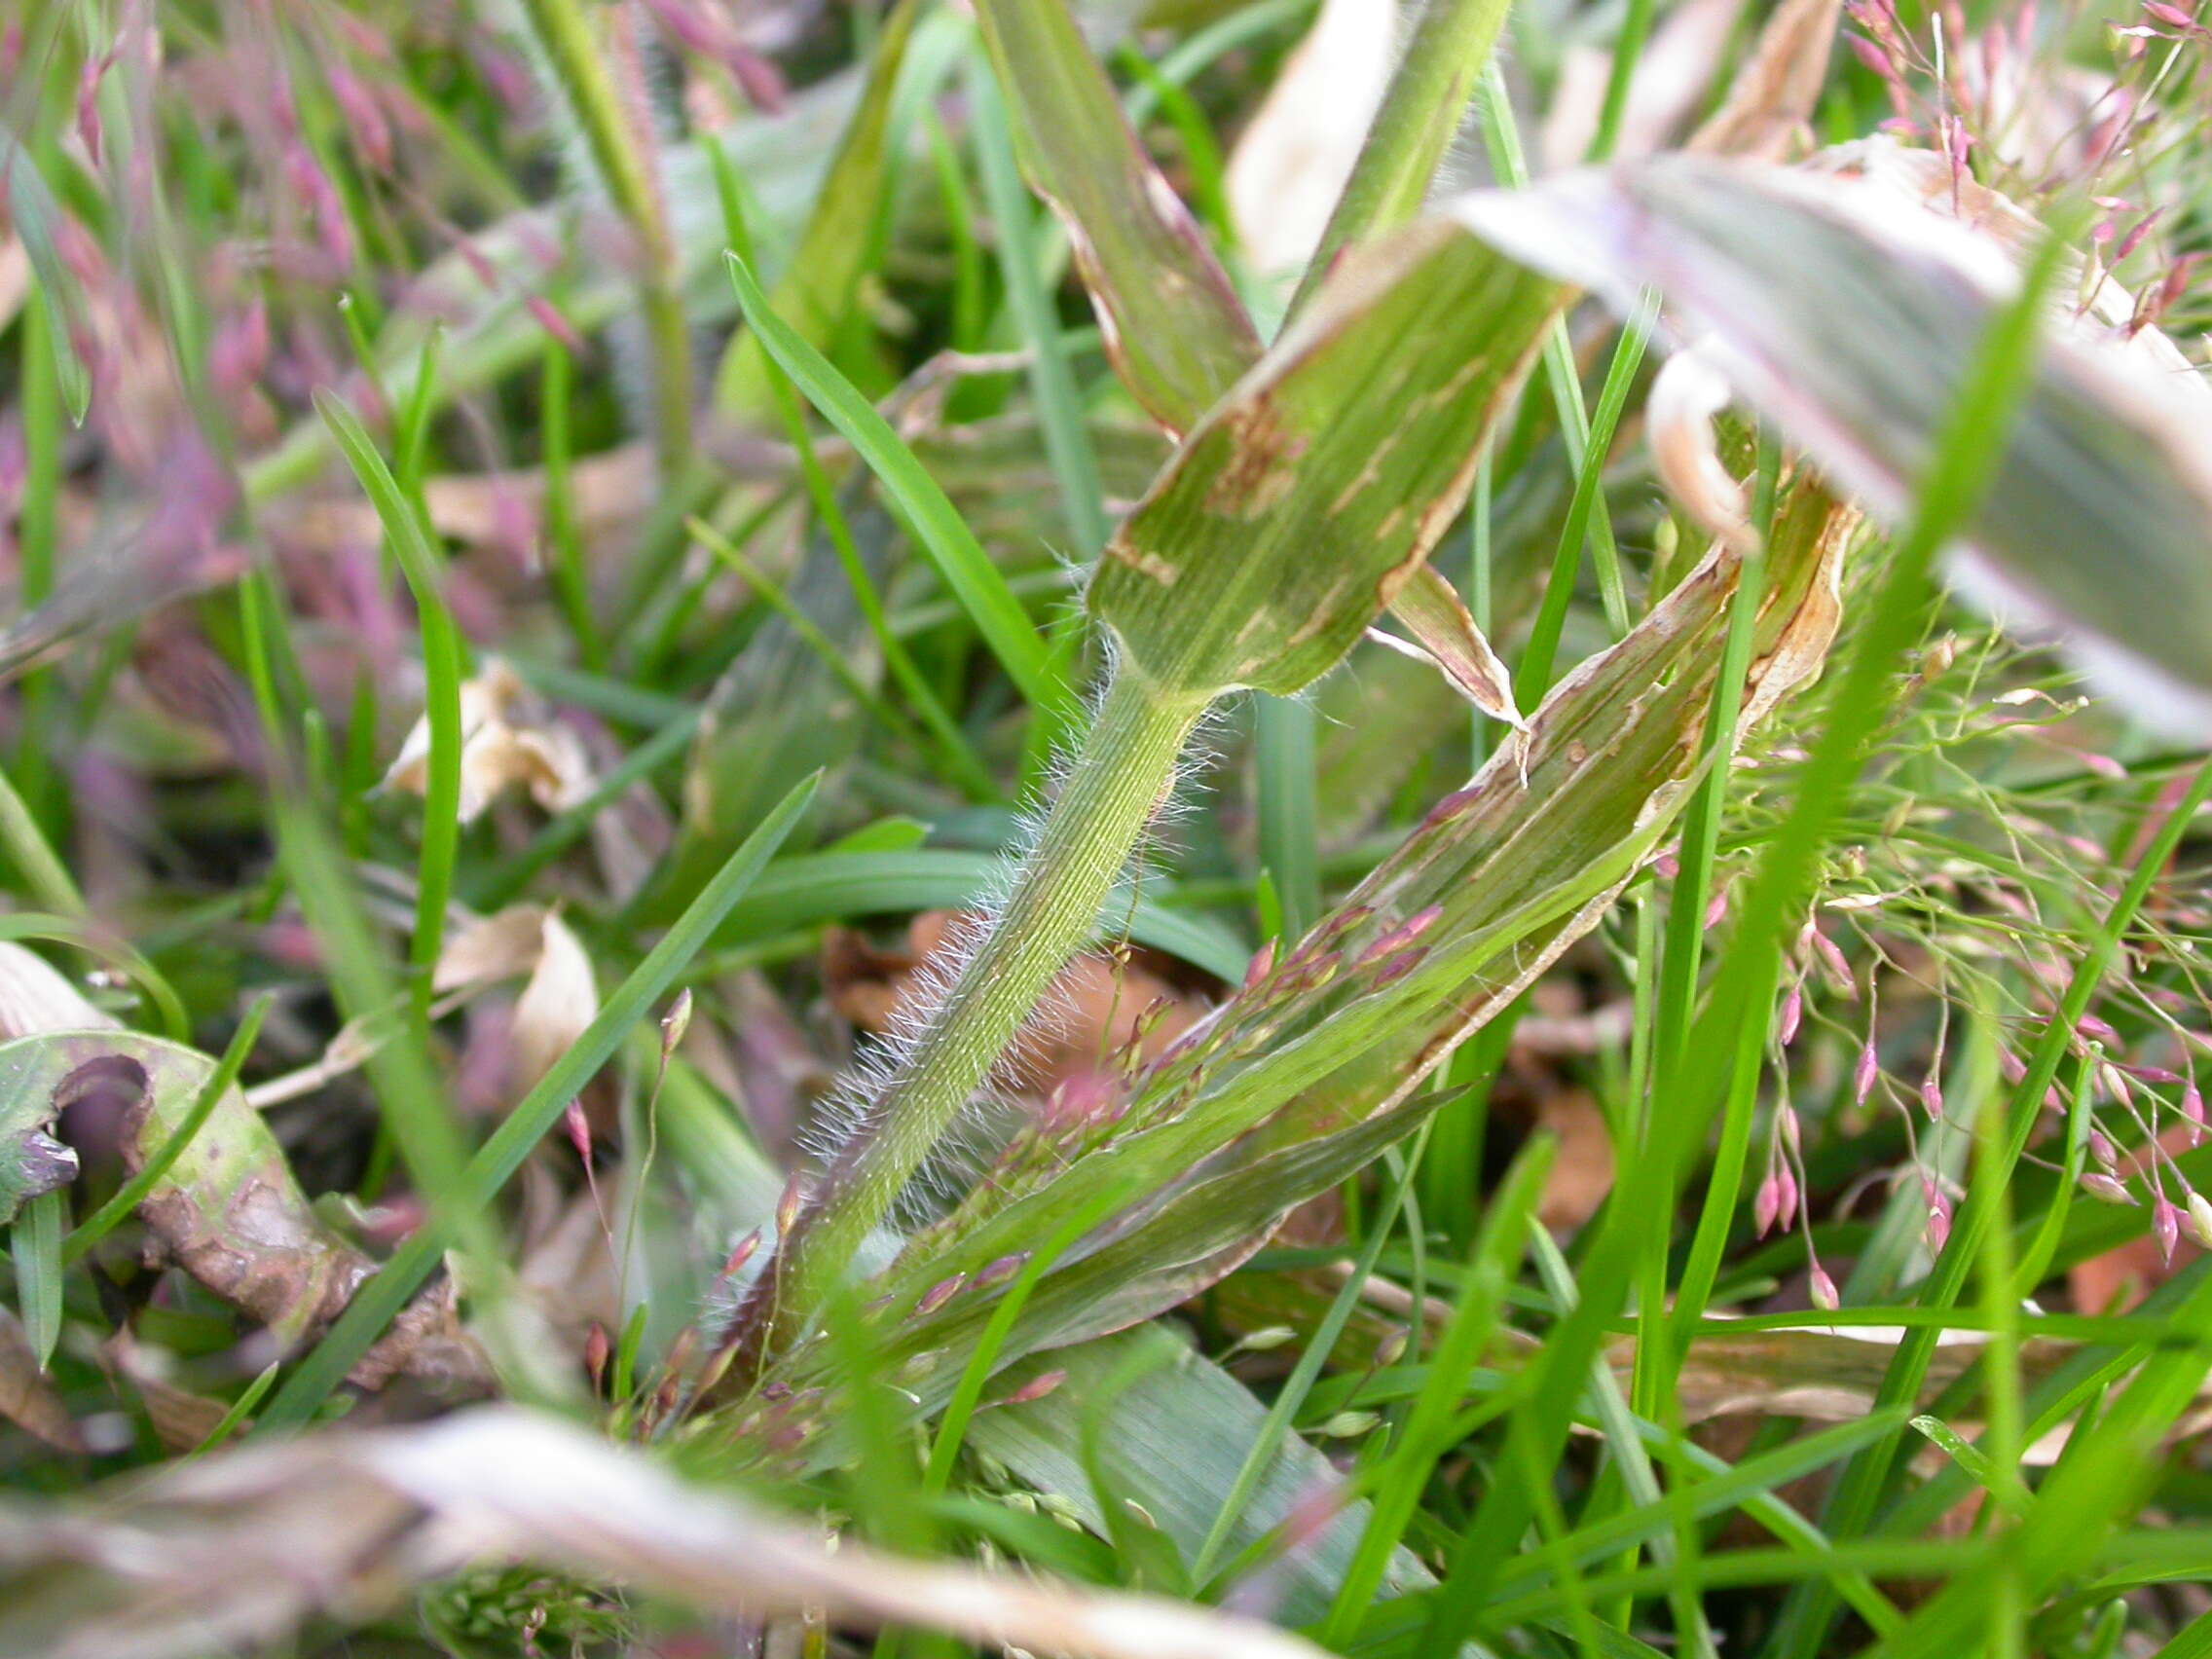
937,527
500,1156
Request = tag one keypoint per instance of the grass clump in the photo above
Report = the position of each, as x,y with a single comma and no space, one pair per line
1028,829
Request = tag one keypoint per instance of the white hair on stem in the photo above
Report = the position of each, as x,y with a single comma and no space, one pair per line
847,1112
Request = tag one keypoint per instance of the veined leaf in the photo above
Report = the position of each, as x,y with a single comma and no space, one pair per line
1173,325
228,1210
1847,311
1303,502
1314,1064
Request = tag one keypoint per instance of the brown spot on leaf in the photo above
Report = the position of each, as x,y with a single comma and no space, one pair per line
1262,462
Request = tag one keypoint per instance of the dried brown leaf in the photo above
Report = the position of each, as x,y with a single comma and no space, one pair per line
508,740
1446,634
27,1398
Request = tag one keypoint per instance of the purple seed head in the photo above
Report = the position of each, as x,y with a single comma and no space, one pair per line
1932,1096
939,1293
2105,1189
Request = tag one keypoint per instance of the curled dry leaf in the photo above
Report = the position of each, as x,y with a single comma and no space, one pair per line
1846,313
242,1547
560,1000
1291,163
27,1398
509,739
1445,633
35,996
227,1211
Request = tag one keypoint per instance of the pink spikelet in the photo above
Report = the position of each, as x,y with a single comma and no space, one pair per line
1767,1207
1824,1291
2165,1226
2192,1111
1863,1075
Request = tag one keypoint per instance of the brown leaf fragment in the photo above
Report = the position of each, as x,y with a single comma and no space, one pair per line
27,1398
1771,101
182,1419
1582,1170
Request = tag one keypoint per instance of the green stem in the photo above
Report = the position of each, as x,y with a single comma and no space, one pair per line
1413,127
1119,778
579,61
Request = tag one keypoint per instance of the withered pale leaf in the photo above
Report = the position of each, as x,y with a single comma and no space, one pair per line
508,740
1672,75
1844,310
560,1000
1772,98
249,1544
486,949
35,996
1292,160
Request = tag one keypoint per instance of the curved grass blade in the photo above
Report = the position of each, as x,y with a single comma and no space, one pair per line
1175,331
497,1160
937,527
2112,451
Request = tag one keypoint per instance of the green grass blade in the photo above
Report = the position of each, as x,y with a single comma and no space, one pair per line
34,1242
937,527
443,670
497,1160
